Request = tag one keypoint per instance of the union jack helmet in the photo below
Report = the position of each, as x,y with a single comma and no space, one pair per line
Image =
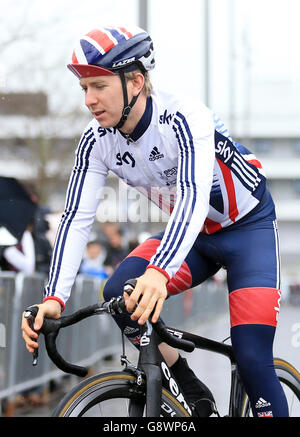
109,50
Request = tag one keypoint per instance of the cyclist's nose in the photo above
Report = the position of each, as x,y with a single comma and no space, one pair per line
90,98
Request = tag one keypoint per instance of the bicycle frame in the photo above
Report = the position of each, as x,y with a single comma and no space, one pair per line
158,374
236,386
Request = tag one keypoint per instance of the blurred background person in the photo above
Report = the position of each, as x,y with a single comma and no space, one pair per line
42,246
21,257
93,260
115,243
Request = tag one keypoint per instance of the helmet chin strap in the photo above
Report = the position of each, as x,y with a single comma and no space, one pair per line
127,107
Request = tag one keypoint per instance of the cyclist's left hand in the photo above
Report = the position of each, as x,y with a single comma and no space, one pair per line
152,292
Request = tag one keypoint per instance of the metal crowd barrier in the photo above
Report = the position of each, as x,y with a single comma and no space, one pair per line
87,342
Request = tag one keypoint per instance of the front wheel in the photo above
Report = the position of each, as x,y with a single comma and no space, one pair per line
113,394
289,378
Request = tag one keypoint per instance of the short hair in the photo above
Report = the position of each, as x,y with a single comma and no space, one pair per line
147,89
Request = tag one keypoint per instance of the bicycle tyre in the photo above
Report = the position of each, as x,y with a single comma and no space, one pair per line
290,381
103,391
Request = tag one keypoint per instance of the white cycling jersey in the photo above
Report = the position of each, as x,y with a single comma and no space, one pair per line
182,157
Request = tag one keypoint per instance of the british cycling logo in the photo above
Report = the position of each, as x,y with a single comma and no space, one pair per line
2,335
169,176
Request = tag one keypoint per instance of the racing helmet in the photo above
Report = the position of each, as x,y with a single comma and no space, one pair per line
114,50
109,50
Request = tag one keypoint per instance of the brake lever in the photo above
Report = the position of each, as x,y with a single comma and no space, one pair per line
30,315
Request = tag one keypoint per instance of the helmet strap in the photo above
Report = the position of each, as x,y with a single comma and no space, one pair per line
127,107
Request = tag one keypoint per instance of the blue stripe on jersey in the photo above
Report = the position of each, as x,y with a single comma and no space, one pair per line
247,173
72,202
183,210
243,169
216,199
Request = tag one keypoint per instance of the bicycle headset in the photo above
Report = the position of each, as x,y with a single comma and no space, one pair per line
114,50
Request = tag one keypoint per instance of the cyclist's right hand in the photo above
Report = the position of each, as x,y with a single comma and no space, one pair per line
51,309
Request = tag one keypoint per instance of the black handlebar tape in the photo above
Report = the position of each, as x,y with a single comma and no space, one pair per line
50,330
186,345
59,361
80,315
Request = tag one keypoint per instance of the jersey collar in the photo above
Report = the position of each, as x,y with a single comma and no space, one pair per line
142,125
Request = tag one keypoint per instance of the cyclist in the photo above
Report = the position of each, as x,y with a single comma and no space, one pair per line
221,213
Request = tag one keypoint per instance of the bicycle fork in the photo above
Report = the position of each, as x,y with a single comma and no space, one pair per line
149,362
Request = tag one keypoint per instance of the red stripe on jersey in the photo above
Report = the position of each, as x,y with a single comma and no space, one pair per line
160,201
257,305
146,250
126,32
233,210
180,282
102,39
210,227
255,162
172,202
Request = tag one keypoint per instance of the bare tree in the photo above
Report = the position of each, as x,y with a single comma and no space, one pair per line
39,67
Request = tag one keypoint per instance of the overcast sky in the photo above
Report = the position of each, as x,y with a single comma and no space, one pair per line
265,35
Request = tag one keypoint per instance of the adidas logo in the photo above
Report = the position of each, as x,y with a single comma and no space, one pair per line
261,403
155,154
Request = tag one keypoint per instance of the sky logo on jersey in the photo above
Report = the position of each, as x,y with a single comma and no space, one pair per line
155,154
224,150
127,158
165,118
